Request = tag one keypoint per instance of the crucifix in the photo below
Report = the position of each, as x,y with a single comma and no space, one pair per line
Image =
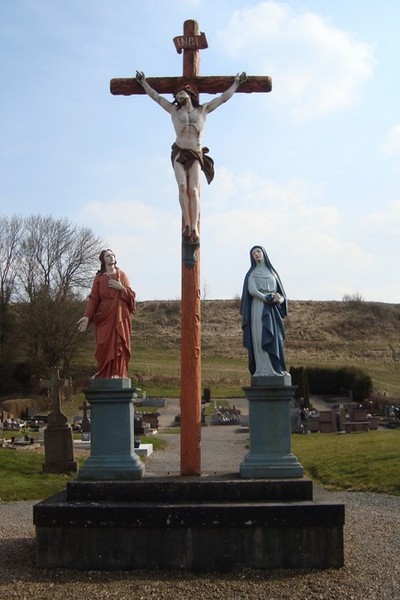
188,159
56,417
85,408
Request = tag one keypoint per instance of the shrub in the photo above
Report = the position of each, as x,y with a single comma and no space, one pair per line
325,380
356,298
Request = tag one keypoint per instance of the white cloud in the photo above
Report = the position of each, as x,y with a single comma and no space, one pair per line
385,221
146,242
121,215
391,145
316,67
258,200
301,234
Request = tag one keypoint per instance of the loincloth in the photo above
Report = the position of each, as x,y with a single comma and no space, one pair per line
187,157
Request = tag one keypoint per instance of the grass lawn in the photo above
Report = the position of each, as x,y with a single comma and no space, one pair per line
365,461
22,478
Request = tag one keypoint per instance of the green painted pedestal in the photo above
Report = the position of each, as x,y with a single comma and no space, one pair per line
270,455
113,454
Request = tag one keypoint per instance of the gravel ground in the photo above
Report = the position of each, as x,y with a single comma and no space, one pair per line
372,551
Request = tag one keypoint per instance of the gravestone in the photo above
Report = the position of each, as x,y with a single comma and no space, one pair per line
58,439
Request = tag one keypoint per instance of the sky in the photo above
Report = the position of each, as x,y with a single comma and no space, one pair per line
310,170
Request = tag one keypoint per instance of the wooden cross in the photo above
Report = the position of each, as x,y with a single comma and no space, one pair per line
56,418
189,44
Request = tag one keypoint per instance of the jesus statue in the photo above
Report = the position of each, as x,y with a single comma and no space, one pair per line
188,156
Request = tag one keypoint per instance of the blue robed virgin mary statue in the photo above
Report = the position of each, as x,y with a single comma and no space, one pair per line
263,308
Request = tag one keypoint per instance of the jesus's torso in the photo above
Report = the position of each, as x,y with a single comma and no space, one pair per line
189,125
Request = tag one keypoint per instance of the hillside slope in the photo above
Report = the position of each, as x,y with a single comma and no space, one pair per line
352,332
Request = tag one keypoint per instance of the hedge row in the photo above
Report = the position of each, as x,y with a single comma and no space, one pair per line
325,380
340,381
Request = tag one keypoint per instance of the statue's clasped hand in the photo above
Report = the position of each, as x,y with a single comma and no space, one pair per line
117,285
274,298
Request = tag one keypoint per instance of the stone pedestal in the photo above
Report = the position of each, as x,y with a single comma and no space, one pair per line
113,454
270,455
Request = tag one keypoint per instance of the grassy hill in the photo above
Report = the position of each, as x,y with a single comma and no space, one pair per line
354,332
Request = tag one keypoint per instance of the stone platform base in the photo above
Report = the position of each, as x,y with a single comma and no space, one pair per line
204,524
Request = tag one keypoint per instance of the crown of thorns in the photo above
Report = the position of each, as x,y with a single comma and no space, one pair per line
190,89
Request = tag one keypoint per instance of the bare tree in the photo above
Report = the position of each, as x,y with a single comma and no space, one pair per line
57,256
11,236
11,232
50,331
58,261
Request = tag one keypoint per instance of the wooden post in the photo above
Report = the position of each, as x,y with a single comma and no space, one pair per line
190,366
190,317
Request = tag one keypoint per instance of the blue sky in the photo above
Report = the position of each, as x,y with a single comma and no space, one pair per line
310,171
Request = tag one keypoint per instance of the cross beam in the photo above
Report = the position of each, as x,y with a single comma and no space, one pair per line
190,43
206,85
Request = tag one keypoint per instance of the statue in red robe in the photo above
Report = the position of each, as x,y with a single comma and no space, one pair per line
110,305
